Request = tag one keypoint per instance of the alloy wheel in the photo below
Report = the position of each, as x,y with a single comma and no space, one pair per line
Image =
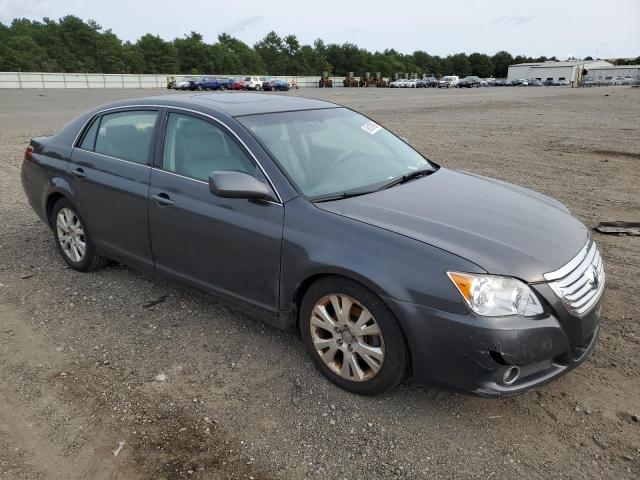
71,235
347,337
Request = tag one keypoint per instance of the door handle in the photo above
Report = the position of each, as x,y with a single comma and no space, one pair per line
78,173
162,199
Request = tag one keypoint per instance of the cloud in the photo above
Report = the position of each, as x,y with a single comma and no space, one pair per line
11,9
514,20
243,24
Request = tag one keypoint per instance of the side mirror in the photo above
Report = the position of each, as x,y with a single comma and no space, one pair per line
230,184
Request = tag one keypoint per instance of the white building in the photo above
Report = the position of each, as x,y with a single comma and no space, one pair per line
569,71
616,74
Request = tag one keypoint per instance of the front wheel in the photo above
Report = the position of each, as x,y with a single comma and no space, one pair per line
352,336
257,88
73,239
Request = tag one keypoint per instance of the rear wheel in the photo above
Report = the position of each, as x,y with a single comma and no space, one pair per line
257,88
352,337
73,239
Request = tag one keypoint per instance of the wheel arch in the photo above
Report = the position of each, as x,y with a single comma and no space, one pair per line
58,188
51,200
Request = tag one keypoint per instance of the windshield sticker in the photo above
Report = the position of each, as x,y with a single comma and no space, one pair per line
371,127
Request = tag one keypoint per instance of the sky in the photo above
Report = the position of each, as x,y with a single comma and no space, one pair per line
579,28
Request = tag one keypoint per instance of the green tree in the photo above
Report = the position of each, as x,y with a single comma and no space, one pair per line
158,56
271,50
194,55
501,62
481,65
460,65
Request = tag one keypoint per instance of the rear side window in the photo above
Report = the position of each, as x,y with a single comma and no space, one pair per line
89,140
126,135
195,148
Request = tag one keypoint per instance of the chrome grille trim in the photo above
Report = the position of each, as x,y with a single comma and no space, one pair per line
580,283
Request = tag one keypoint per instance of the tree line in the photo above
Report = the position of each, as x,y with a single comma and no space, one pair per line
73,45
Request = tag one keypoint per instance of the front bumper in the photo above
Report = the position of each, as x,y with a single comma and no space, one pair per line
473,353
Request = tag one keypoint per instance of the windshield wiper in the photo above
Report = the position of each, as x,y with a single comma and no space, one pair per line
340,196
407,178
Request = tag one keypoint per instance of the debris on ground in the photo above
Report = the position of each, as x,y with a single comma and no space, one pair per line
155,302
118,448
618,228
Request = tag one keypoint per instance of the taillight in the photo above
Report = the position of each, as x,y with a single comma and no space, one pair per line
27,152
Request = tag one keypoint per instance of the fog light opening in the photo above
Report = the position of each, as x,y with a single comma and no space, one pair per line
510,375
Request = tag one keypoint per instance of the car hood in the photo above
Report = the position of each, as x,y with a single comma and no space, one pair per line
503,228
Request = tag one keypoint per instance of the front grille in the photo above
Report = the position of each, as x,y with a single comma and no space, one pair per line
580,282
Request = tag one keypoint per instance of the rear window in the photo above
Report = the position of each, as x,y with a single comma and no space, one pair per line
126,135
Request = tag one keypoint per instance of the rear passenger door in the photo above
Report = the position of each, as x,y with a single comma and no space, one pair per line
109,172
229,247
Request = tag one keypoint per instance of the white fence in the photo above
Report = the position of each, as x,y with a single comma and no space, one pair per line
80,80
99,80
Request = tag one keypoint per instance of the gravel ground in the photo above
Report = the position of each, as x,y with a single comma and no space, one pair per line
182,387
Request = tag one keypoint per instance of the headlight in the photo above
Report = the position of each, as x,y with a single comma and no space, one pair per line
494,296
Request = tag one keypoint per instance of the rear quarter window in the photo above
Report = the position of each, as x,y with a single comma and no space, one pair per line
89,139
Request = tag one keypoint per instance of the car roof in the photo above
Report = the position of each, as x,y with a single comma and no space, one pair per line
233,103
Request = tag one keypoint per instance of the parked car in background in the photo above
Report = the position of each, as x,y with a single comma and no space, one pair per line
279,207
411,83
254,83
267,85
280,85
228,83
181,84
195,84
214,83
519,82
238,84
484,83
205,83
534,82
399,83
499,83
427,82
469,82
448,81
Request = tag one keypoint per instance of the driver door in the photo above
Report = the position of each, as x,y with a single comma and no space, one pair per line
228,247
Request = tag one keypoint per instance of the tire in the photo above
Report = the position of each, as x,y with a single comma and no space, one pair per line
386,348
64,212
222,88
199,88
258,88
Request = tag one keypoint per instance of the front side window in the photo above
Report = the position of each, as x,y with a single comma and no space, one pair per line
334,151
195,148
126,135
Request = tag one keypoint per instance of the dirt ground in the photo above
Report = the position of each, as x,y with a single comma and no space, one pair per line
183,387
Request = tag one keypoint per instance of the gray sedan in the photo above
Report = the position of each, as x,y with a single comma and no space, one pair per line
318,220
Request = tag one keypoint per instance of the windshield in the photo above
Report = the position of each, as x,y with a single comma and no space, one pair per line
334,151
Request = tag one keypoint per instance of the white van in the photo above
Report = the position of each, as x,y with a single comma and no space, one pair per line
448,81
254,83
